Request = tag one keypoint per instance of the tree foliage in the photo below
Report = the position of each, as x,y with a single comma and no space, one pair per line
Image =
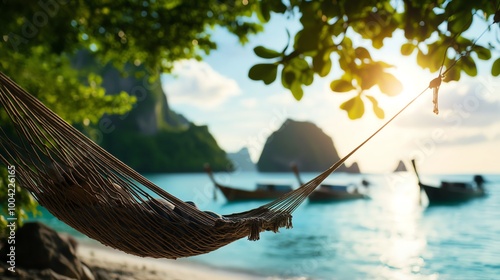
432,28
39,41
40,38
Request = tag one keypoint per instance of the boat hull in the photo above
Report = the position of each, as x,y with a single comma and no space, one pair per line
450,195
233,194
325,195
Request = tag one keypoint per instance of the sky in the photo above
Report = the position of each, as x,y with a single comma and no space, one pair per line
463,138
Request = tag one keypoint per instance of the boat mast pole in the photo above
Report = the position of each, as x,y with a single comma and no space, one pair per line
419,183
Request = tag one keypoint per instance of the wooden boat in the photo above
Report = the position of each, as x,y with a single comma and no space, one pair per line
452,192
326,192
262,192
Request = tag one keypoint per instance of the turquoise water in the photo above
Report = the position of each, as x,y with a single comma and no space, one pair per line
388,236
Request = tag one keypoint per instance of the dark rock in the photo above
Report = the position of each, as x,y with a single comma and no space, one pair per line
401,167
302,143
40,248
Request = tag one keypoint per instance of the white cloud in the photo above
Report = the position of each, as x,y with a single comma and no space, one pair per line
197,83
466,140
249,103
461,105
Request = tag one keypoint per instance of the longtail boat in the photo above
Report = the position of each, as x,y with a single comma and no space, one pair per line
450,192
263,191
327,192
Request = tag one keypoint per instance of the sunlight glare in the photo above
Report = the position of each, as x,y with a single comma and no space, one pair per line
414,80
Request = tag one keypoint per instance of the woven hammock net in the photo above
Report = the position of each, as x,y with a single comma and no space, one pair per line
89,189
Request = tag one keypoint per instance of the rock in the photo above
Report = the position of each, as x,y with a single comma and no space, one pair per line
401,167
302,143
40,248
354,168
241,160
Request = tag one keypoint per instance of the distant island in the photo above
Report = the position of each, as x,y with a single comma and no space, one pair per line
401,167
241,160
302,143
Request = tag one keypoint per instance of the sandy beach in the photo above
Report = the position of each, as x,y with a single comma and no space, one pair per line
122,266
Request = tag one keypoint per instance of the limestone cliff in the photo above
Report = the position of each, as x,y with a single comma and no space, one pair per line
151,137
303,143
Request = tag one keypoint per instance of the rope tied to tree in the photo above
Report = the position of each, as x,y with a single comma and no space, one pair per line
436,82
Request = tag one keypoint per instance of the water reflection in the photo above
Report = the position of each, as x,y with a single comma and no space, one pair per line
393,238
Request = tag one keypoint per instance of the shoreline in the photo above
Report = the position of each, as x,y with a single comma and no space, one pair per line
124,266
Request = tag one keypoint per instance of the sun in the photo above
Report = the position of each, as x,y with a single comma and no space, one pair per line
414,80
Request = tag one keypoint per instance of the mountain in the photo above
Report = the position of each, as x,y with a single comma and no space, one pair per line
151,137
303,143
241,160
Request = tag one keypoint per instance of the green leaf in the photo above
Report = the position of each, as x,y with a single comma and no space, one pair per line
379,112
452,75
378,42
277,6
297,91
287,77
482,52
355,107
341,86
389,85
460,22
322,64
469,66
307,39
264,13
422,59
299,64
407,48
495,69
265,72
434,56
266,53
307,77
367,75
362,53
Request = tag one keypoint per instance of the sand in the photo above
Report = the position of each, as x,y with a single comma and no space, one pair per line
122,266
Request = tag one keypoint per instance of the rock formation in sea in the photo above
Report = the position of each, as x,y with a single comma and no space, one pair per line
302,143
241,160
401,167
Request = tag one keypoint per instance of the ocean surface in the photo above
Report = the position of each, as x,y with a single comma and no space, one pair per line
388,236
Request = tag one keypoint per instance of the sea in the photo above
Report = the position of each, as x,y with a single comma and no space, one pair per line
390,235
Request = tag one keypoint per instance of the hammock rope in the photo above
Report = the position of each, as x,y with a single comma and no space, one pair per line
92,191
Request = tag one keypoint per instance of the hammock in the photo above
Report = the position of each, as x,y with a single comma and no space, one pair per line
89,189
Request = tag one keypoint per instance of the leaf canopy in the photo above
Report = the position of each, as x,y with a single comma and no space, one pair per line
432,29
